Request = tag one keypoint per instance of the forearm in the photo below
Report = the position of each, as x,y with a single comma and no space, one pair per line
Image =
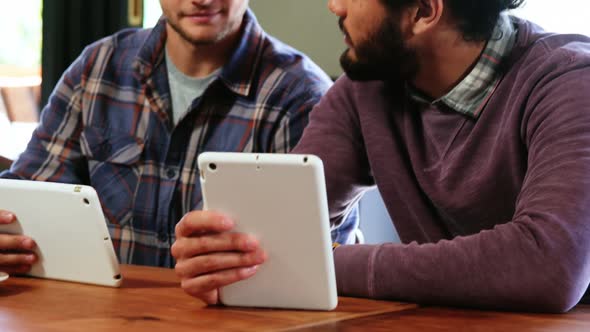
516,266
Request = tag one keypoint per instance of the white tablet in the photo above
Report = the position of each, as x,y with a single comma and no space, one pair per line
67,223
280,199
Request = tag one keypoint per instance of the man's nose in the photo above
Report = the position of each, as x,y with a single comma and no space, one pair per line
337,7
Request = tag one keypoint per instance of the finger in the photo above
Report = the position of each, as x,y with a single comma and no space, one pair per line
192,246
200,265
15,269
199,222
17,259
16,242
6,217
201,286
210,298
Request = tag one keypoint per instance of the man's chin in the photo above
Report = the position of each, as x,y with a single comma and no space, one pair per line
203,38
200,36
358,71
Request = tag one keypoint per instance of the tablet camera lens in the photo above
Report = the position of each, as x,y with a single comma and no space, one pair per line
304,160
212,166
86,201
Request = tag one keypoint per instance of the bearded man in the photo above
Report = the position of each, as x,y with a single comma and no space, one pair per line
475,127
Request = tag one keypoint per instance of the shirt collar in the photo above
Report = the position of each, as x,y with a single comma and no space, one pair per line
472,93
237,74
151,53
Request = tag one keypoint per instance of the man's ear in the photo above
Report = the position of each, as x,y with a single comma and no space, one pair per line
426,14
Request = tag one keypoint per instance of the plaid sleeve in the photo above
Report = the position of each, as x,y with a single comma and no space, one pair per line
296,118
53,154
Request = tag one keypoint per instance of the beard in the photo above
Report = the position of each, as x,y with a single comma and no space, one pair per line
383,56
197,41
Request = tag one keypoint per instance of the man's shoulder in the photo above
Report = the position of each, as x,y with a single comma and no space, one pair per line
126,39
543,51
570,47
278,56
125,43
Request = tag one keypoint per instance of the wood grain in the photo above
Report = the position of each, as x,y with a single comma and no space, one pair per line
151,300
447,319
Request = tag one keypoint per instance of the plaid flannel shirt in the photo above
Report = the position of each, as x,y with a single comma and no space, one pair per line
107,124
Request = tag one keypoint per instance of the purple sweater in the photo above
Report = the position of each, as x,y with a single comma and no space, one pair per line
493,212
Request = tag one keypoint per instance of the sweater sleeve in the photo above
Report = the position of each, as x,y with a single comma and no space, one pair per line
539,260
333,134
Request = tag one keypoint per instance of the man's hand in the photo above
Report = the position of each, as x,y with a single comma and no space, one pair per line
208,256
16,255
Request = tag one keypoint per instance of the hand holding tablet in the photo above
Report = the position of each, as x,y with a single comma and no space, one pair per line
66,222
16,251
280,201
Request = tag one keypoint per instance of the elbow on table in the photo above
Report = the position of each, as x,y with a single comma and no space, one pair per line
561,303
561,291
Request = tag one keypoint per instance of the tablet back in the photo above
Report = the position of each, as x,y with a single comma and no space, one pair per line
67,223
280,199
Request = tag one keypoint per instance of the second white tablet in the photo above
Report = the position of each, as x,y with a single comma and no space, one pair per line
67,222
280,199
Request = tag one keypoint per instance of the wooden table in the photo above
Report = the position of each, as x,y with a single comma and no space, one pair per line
448,319
151,300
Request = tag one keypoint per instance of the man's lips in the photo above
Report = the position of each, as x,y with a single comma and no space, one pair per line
202,17
347,39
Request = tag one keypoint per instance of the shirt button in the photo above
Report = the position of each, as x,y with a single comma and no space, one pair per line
163,237
171,173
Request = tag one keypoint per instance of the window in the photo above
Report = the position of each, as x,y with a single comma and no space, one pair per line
20,61
20,56
20,73
565,16
151,13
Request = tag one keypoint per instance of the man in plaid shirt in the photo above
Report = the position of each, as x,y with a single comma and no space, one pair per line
133,112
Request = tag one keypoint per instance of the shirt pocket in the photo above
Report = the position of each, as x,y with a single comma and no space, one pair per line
115,169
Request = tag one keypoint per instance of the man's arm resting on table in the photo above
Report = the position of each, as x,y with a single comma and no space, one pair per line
538,261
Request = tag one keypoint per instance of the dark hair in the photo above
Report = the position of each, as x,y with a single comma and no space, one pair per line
475,19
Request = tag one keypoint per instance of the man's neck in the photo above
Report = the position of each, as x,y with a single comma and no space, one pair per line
199,60
445,62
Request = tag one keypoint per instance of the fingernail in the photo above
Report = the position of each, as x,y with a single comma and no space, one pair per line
227,223
6,216
28,243
263,257
250,270
30,258
251,244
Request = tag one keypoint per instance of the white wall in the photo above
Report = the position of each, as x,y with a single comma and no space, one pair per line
307,25
569,16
